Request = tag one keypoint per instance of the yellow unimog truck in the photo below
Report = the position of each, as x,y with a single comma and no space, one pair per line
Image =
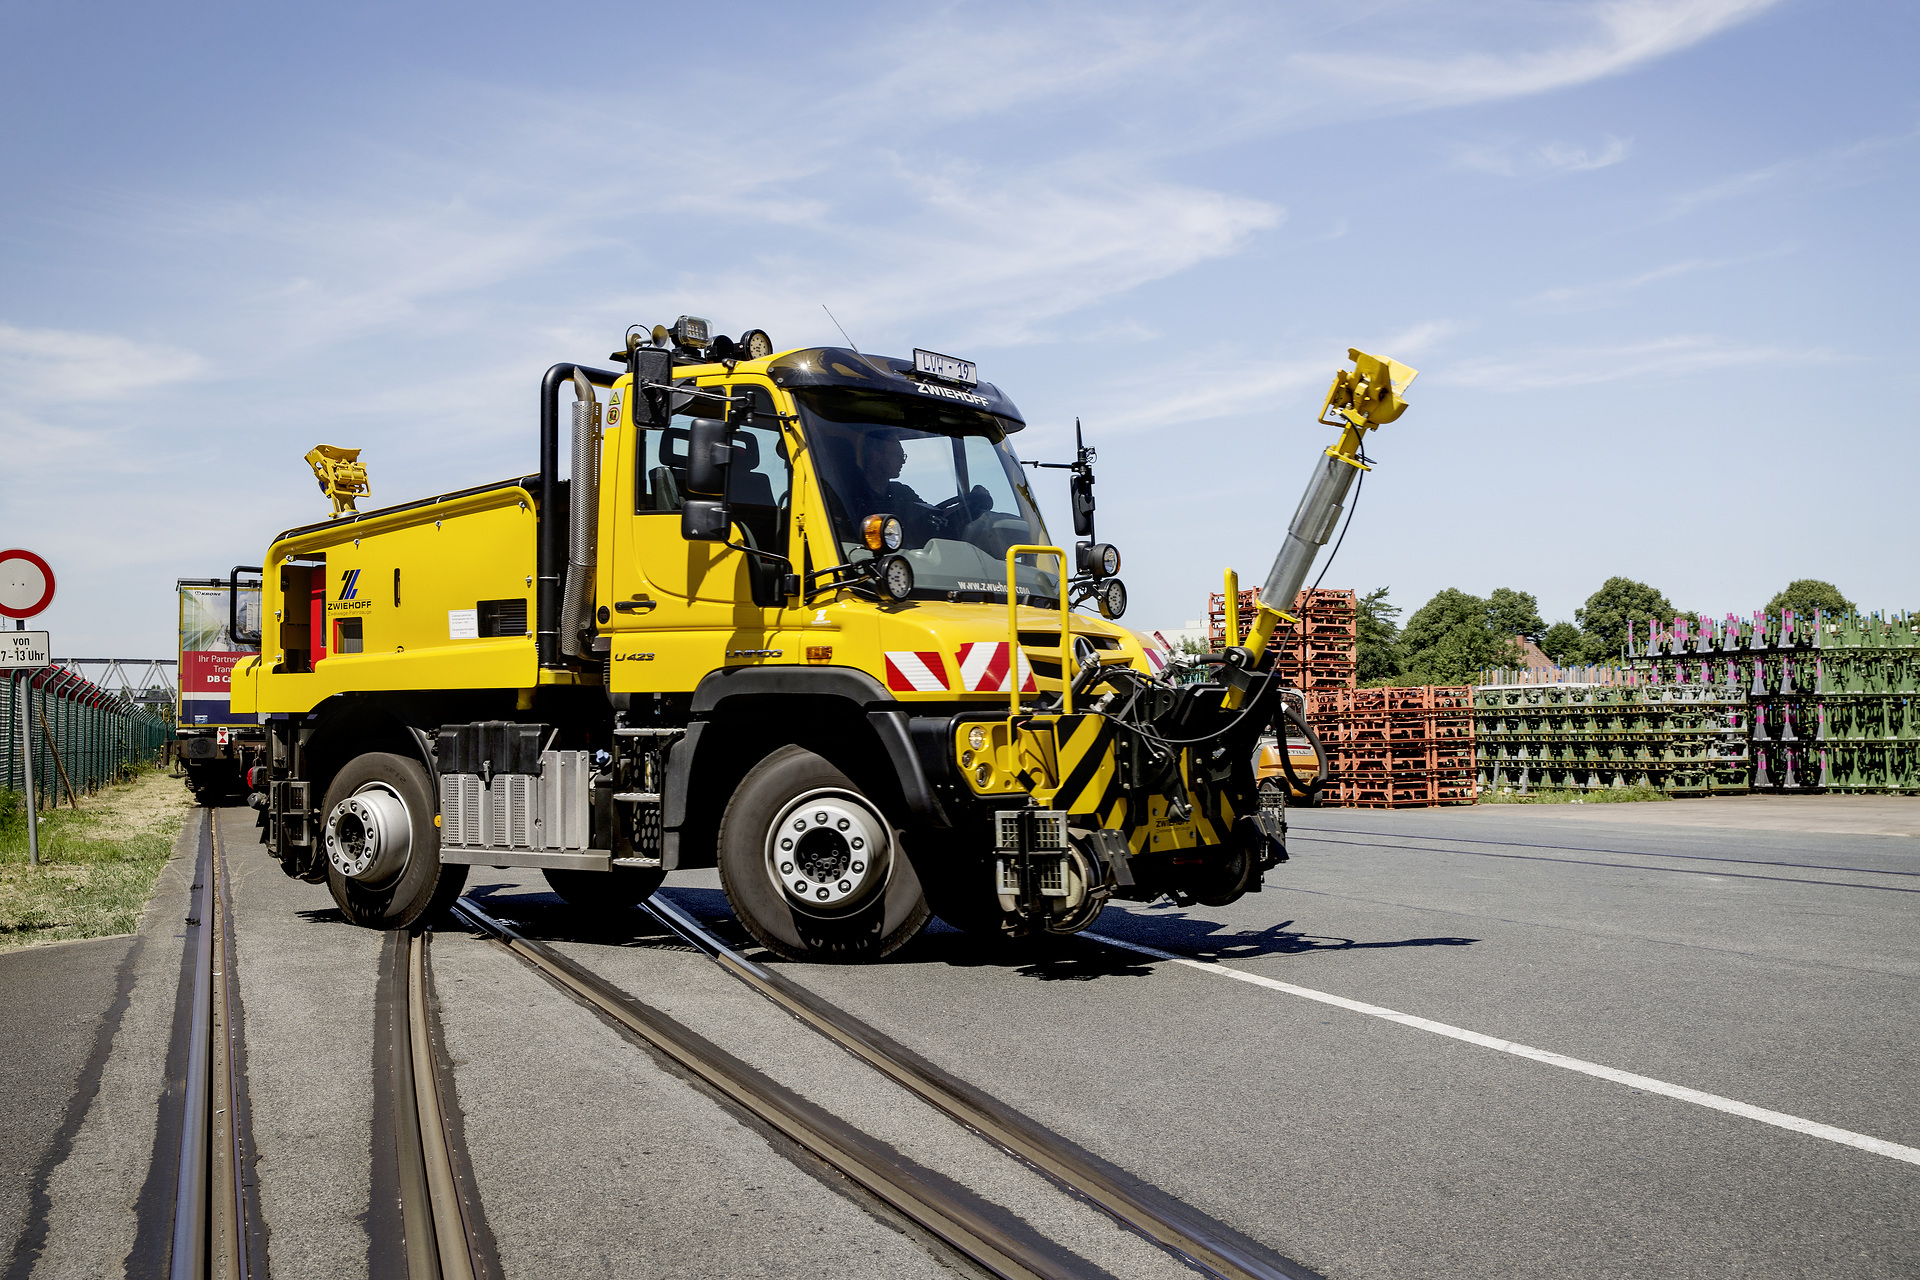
791,614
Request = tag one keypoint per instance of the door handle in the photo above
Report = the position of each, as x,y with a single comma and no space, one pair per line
635,606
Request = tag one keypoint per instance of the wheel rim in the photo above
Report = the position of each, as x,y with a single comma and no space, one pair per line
369,835
828,852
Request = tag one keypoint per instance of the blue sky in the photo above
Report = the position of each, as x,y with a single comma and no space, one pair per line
1654,260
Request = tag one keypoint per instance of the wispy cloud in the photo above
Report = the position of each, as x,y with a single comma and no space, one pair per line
877,193
1610,293
1675,357
1835,167
1512,160
1221,386
49,364
1561,45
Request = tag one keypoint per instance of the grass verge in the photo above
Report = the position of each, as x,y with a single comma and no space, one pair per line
1601,795
97,863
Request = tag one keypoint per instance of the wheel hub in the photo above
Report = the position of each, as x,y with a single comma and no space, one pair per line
827,851
369,835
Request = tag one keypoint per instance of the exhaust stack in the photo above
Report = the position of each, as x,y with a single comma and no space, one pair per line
583,523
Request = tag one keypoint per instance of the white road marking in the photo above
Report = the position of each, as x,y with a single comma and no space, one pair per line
1646,1084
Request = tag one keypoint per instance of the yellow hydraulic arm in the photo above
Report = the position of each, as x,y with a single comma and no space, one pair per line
1360,399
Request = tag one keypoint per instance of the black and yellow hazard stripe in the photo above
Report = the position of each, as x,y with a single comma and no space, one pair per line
1084,748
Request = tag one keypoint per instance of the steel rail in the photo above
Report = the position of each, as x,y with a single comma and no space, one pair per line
834,1141
1149,1212
212,1205
439,1239
188,1258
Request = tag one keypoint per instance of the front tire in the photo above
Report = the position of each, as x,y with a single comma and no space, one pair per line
416,887
812,868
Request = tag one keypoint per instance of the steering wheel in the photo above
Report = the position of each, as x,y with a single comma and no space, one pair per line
964,508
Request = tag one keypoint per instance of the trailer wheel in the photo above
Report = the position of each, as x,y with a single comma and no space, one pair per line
382,848
811,866
604,892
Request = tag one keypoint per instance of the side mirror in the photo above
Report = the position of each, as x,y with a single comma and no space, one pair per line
709,457
704,516
1081,487
705,520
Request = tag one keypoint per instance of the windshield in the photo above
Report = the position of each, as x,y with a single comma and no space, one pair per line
947,474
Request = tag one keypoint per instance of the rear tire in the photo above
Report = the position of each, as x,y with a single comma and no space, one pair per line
861,899
422,889
603,892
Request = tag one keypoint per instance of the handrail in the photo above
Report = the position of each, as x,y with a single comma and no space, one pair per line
1013,627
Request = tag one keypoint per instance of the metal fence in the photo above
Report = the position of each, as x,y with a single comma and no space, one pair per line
83,737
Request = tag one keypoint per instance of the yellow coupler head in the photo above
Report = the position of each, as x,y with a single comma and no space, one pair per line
342,476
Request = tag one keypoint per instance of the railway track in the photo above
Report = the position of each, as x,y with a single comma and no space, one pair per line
1190,1236
217,1228
439,1229
434,1231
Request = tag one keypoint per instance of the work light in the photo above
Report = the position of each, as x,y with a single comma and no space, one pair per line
882,533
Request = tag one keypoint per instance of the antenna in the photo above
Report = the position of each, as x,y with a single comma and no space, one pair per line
856,346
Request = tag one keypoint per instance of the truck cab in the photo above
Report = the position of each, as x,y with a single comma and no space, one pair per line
792,614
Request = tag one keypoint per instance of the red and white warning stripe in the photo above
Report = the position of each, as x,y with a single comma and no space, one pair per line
1156,660
912,672
984,666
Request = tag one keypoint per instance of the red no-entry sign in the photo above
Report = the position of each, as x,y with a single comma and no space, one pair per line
26,584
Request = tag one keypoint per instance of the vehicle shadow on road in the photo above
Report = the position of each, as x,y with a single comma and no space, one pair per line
547,917
1204,939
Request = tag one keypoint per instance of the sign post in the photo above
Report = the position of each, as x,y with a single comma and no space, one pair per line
26,651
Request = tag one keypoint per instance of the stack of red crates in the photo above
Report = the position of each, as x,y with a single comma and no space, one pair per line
1396,748
1316,654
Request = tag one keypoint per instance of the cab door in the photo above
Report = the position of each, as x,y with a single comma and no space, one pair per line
692,606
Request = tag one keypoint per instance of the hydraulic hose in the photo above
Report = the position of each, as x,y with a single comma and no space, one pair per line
1312,789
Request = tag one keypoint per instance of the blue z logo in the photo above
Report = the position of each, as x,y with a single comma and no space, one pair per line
348,583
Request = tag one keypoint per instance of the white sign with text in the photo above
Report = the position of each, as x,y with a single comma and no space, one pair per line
24,649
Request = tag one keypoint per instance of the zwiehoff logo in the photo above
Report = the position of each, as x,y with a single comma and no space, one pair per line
349,600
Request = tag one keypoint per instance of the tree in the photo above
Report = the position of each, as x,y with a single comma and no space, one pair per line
1451,637
1603,623
1515,613
1561,642
1804,595
1378,637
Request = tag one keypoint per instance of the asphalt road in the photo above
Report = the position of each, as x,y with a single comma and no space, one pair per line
60,1014
1774,968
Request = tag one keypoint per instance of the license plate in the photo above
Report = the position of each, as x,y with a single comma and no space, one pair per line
935,365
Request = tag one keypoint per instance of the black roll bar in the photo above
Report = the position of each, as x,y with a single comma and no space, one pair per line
234,633
553,535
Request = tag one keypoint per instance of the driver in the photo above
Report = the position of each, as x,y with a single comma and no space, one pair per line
877,490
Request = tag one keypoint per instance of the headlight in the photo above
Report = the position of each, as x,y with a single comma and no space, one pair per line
896,577
756,344
977,738
882,533
1096,559
1112,597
